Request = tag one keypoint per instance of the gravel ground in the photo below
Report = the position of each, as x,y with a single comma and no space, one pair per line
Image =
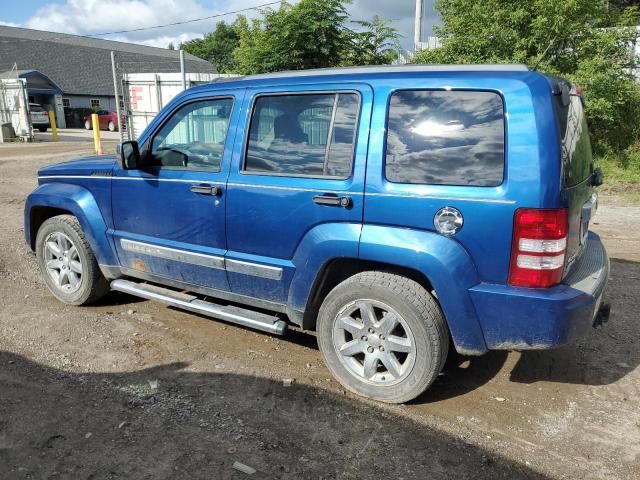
132,389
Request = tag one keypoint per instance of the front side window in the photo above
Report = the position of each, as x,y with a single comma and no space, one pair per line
303,135
445,138
194,136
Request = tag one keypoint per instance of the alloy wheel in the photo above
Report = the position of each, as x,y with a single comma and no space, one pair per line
374,342
63,262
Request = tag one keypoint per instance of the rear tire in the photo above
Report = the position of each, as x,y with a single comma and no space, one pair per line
397,353
67,264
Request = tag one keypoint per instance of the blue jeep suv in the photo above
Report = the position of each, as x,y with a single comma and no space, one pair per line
397,211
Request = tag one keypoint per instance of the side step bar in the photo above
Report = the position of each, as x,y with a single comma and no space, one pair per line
185,301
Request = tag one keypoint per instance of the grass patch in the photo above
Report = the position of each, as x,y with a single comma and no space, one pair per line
621,173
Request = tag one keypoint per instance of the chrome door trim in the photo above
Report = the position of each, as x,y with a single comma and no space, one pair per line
174,254
149,179
296,189
438,197
254,269
203,260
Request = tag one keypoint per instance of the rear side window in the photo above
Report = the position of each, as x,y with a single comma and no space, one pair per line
303,135
445,138
575,144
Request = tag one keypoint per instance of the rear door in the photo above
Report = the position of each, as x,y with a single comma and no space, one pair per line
299,164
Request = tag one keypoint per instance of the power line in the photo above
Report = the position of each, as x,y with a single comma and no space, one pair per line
209,17
140,29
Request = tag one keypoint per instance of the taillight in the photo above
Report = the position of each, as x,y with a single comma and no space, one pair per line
539,247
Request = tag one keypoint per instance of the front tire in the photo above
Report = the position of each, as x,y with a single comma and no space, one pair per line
67,264
383,336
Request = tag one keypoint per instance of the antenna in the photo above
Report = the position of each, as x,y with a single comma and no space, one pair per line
543,54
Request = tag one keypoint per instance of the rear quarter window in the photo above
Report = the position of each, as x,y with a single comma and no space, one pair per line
445,138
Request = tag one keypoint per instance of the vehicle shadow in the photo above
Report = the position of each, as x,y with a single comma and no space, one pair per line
462,375
114,298
605,354
168,422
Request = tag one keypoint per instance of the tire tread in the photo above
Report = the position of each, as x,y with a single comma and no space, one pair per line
425,306
99,286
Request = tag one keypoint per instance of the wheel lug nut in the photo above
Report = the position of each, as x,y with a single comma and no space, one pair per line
381,337
364,338
381,348
371,330
370,349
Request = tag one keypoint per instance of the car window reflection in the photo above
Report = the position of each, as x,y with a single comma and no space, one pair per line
445,137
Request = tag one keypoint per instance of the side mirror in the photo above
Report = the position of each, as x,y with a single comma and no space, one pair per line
597,177
129,155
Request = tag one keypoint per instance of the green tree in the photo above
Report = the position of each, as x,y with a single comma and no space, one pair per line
373,43
216,47
171,46
309,34
582,40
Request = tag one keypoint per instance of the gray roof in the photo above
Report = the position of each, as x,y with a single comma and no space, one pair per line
82,65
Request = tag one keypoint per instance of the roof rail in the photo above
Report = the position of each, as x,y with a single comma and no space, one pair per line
494,67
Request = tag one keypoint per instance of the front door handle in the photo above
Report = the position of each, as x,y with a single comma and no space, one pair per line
332,200
206,189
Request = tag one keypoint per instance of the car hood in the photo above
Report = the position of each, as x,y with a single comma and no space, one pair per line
92,165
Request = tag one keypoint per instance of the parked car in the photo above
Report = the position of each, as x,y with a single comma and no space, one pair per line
39,117
397,211
107,121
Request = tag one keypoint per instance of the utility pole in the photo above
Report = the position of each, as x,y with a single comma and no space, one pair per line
182,72
115,91
417,36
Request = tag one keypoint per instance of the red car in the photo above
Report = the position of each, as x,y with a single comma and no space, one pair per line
107,121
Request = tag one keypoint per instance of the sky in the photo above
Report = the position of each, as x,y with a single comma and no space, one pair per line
86,17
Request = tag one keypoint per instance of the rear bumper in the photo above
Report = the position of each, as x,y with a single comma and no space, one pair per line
523,319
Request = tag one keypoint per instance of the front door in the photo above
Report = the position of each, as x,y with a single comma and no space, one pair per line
169,217
297,181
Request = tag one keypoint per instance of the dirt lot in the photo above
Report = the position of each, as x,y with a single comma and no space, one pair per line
131,389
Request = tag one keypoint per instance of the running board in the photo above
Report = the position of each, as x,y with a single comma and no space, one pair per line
185,301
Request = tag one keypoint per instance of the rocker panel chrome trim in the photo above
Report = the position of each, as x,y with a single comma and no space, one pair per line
211,292
254,269
237,315
172,254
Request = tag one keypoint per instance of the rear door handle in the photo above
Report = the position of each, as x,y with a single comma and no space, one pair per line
332,200
206,189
